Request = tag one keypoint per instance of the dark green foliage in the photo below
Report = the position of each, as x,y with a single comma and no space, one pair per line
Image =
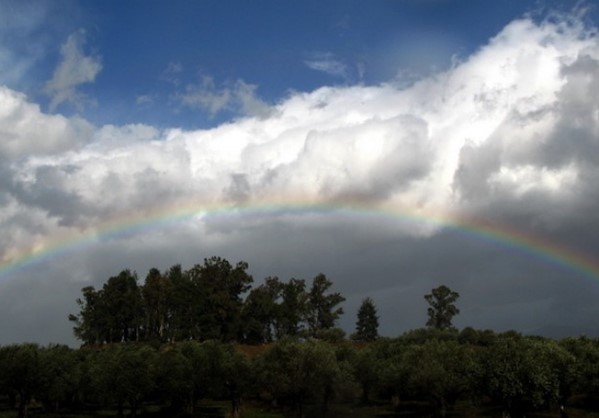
157,294
124,374
514,373
473,336
292,309
190,317
60,376
204,303
20,374
439,371
112,314
219,288
261,311
175,379
123,303
442,308
367,325
366,371
526,372
322,309
297,372
585,366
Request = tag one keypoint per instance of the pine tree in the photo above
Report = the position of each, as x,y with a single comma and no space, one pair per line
368,322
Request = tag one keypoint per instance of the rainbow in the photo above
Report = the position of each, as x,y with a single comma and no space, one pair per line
140,222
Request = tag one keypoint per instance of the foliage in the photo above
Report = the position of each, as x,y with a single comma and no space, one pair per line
322,309
526,372
440,371
20,371
124,374
298,371
438,368
442,308
205,303
367,324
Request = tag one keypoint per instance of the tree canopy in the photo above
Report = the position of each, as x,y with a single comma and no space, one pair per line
442,308
367,325
210,301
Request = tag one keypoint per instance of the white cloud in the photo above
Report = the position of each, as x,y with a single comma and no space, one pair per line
206,96
328,64
442,143
26,131
74,69
237,97
144,99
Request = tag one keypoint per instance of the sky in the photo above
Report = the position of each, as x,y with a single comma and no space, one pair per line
394,146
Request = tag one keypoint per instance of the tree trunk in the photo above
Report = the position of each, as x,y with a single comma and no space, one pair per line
192,402
134,405
328,392
120,412
23,405
235,403
365,394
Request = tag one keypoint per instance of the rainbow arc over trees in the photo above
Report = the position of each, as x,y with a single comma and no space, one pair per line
141,221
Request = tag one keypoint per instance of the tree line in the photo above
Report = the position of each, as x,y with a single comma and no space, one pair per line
209,301
424,372
205,334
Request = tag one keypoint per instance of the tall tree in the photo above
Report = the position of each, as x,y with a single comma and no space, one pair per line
367,324
322,308
220,288
157,293
261,310
91,322
181,304
442,308
292,308
122,300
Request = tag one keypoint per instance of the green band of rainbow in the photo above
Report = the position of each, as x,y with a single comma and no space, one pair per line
142,221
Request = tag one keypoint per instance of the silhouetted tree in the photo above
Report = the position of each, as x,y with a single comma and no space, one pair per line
219,288
368,322
261,311
322,308
157,295
292,308
442,308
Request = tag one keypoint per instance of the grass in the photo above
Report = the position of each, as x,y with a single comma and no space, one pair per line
255,410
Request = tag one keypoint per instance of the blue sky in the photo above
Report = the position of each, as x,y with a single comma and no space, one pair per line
388,113
152,51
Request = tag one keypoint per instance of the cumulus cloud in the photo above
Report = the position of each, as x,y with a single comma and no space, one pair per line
26,131
457,141
508,135
75,68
